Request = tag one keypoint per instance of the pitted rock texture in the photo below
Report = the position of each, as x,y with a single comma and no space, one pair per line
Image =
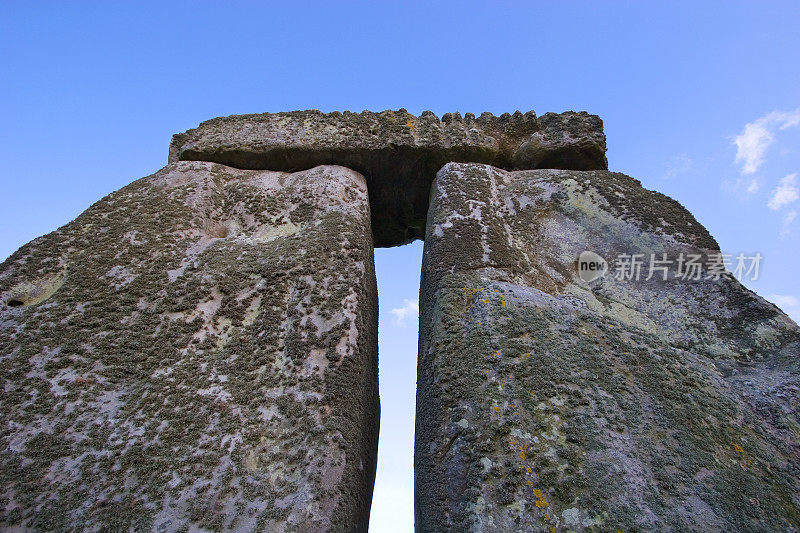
548,404
196,351
567,141
398,153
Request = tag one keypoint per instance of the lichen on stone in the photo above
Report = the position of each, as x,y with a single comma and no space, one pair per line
548,404
182,356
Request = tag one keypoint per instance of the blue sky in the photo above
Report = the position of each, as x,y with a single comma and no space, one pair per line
92,91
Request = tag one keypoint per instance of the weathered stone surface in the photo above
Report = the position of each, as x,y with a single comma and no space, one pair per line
546,402
566,141
196,351
397,152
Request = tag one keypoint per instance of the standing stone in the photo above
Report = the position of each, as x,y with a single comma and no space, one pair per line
546,403
197,351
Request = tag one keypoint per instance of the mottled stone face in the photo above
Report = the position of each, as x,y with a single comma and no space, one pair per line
547,401
196,350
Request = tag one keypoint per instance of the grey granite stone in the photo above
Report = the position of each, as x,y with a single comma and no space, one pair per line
196,351
546,403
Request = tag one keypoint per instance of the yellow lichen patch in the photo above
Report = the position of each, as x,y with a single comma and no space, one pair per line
494,355
737,447
470,295
541,501
502,298
497,408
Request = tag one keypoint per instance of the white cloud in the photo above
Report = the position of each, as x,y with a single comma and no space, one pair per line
678,164
785,193
756,137
788,304
751,145
409,309
742,187
788,218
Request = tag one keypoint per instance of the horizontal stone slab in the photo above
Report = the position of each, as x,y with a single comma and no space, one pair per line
398,153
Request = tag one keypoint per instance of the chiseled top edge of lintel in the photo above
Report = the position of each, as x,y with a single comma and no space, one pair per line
524,138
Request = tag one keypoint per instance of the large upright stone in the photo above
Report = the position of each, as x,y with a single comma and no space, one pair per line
397,152
196,351
546,403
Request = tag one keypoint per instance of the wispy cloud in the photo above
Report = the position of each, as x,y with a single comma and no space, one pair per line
785,193
788,218
742,187
677,165
409,309
789,304
751,145
757,136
